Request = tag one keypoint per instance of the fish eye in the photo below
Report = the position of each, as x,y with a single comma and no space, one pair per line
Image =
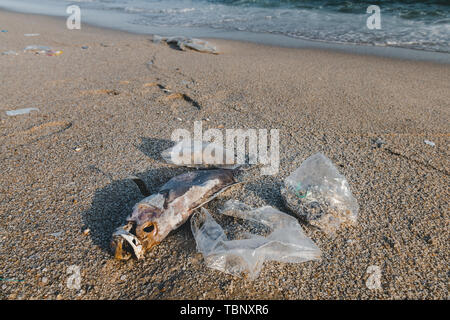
149,228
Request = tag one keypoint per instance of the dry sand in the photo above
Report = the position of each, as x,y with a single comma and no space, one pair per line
103,117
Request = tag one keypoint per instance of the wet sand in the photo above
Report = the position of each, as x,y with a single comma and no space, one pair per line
104,116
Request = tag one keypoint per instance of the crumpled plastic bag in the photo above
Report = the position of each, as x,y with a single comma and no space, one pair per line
9,53
285,241
319,194
20,111
191,43
211,155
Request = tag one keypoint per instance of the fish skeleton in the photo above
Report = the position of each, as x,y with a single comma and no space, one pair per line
156,215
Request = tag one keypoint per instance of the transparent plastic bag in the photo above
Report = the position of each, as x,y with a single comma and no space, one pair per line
184,42
285,240
318,193
9,53
43,50
20,111
37,49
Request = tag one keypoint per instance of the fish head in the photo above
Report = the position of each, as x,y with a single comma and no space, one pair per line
142,231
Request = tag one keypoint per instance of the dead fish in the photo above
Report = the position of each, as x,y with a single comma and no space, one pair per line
156,215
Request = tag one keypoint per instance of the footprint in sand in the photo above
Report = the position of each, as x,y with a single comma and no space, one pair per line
100,92
185,97
36,133
172,97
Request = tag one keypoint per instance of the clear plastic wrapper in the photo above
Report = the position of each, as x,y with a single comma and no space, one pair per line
36,48
9,53
184,42
20,111
43,50
274,236
319,194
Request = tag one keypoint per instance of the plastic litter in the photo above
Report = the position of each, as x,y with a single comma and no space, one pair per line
56,234
185,154
52,53
184,42
430,143
4,31
318,193
43,50
20,111
31,34
38,49
245,253
85,47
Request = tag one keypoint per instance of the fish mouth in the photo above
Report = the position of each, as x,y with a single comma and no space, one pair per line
132,239
124,243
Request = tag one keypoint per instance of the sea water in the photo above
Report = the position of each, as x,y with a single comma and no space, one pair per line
423,25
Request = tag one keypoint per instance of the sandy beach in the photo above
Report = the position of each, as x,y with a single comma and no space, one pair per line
103,115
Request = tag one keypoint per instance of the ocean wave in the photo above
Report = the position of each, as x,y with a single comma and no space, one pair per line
157,11
80,0
411,24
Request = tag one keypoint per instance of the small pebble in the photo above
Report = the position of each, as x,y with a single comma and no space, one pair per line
379,142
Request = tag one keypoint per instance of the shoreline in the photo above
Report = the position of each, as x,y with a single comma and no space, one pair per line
278,40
